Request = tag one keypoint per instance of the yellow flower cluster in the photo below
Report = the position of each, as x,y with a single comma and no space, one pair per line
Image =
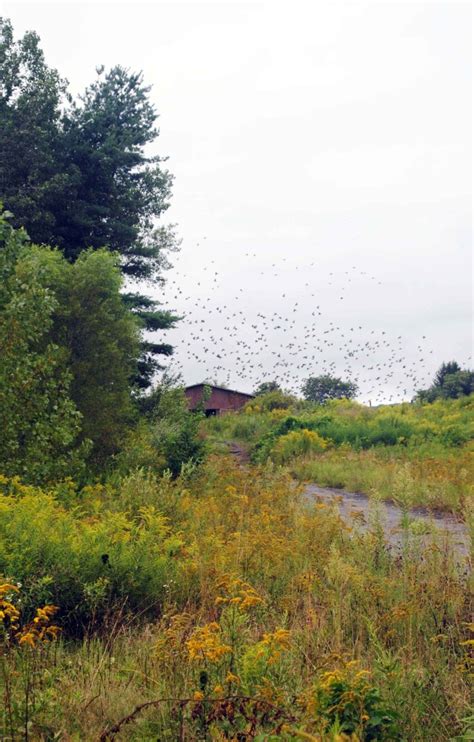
237,593
38,630
276,643
297,443
355,682
9,613
206,644
279,638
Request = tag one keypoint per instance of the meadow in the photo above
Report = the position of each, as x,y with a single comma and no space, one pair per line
417,455
154,587
221,605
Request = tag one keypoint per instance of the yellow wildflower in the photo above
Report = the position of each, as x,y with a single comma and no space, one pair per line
205,644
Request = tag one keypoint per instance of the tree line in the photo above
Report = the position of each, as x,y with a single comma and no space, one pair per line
81,233
449,382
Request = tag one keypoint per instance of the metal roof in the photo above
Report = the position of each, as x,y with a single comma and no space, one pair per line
222,388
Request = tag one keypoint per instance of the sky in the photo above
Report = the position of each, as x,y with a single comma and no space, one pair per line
322,156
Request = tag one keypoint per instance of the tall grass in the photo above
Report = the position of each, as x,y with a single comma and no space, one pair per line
367,449
265,617
442,482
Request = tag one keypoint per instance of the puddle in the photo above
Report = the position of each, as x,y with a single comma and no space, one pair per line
428,527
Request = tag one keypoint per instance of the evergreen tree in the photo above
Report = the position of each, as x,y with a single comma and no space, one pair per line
76,174
450,382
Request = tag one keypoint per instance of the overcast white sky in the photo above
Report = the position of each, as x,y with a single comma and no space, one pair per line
302,133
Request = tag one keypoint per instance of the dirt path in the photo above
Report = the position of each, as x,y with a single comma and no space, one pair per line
239,451
356,507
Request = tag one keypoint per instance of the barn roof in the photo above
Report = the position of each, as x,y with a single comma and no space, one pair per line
222,388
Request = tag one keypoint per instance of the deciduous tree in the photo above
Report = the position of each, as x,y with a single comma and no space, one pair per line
321,389
78,174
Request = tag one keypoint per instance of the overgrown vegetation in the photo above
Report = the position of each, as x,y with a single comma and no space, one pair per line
365,449
267,617
149,588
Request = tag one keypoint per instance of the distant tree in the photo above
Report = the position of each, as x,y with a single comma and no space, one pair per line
446,369
450,382
460,384
267,386
276,400
321,389
77,174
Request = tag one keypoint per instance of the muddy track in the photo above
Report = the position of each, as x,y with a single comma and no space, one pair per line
419,523
238,451
358,510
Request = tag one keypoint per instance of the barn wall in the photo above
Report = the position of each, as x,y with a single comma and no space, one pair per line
194,396
220,399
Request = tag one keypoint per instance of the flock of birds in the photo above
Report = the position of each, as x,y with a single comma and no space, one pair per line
283,325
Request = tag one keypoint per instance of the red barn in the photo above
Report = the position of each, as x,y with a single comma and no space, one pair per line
221,399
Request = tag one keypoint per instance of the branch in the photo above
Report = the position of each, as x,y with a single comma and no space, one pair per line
108,735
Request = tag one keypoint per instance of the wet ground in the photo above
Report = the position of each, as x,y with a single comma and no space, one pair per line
441,528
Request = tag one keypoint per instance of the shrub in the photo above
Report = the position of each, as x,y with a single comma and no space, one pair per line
167,438
90,567
348,700
276,400
297,443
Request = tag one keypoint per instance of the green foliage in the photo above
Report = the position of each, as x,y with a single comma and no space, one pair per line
69,349
99,338
320,389
77,176
168,438
90,567
38,419
450,382
267,386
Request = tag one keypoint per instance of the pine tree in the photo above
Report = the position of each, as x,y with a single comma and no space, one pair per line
77,176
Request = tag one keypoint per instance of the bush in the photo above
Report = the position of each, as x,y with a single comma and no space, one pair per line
297,443
276,400
167,438
175,431
350,703
90,567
